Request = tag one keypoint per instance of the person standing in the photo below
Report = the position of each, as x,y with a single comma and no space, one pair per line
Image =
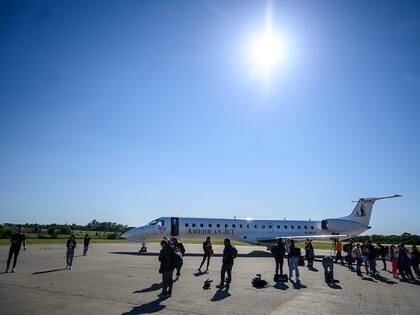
349,255
229,255
383,251
278,251
309,253
365,252
372,258
71,245
16,241
86,242
356,254
404,263
166,258
394,261
208,251
415,259
338,249
294,254
180,250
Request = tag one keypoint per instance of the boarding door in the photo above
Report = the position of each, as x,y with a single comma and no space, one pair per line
174,226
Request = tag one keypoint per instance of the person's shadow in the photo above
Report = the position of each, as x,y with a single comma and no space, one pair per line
199,273
313,269
220,295
281,286
334,285
153,287
298,285
146,308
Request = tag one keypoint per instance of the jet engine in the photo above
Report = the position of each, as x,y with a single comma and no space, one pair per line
340,225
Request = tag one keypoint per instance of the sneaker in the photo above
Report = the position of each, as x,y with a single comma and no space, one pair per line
178,274
219,286
69,267
13,270
7,270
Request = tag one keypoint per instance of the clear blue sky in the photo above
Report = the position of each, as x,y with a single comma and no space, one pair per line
127,111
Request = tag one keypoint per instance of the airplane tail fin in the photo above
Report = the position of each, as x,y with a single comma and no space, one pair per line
363,210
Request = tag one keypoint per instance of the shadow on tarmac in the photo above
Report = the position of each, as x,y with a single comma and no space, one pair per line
147,308
153,287
220,295
281,286
48,271
200,273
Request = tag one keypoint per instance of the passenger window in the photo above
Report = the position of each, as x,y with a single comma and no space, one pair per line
312,227
256,226
210,225
263,226
270,226
299,227
186,224
218,225
201,225
278,226
240,225
247,226
285,226
226,225
292,226
233,225
193,225
306,227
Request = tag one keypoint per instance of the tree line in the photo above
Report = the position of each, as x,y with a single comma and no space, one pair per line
53,229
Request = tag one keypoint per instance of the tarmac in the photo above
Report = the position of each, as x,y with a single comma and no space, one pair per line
116,279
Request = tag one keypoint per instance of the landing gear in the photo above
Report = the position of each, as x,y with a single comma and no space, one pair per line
143,248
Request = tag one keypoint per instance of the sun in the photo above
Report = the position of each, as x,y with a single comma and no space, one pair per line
267,51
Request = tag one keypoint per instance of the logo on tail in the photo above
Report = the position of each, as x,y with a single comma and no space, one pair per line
362,212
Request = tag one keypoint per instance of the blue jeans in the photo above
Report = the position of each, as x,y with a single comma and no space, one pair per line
359,261
85,250
69,256
372,265
294,265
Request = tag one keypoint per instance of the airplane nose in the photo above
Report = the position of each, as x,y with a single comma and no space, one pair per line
128,233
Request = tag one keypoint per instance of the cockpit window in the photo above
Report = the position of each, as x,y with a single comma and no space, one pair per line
156,222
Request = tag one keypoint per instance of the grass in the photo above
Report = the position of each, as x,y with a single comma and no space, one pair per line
317,245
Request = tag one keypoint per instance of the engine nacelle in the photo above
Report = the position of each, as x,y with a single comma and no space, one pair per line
340,225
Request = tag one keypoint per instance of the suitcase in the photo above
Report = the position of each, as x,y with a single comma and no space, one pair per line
281,278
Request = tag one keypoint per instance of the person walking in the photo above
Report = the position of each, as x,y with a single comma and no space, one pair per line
393,252
349,255
229,255
180,250
208,251
415,259
328,265
294,254
71,245
86,242
167,262
338,249
356,254
309,253
278,251
16,241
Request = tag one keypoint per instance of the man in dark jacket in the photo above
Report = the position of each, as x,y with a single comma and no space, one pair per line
278,252
15,244
180,249
372,258
229,254
166,258
383,251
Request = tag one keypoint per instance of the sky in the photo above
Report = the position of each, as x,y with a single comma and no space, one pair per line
128,111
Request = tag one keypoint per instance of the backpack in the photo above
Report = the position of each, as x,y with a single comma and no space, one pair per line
301,261
259,283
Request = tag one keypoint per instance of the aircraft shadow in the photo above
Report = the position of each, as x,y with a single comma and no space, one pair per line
153,287
147,308
220,295
48,271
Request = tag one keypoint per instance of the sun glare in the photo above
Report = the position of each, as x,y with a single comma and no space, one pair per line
267,51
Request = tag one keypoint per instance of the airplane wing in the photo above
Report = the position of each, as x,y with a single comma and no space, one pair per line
302,238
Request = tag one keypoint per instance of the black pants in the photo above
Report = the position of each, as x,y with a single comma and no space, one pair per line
167,281
14,251
279,264
337,257
206,255
226,268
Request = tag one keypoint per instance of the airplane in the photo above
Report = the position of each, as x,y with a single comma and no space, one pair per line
257,232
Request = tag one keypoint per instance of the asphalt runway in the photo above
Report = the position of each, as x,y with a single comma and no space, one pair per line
115,279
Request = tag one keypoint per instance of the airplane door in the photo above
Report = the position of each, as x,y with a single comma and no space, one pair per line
174,226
